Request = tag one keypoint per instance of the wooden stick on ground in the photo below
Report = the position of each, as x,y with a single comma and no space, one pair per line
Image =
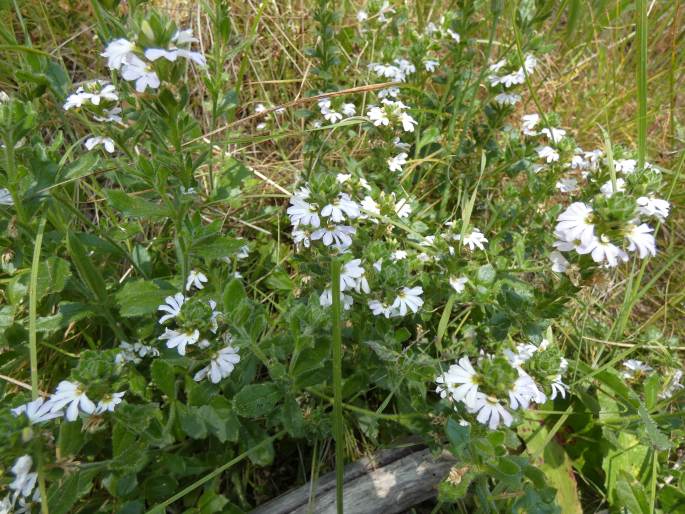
390,482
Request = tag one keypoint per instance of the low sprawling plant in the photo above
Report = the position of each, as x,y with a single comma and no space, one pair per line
194,341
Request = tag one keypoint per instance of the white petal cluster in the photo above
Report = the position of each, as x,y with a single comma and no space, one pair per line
106,142
94,92
634,368
514,78
134,353
123,56
333,116
221,365
306,219
397,71
391,113
575,231
23,487
68,400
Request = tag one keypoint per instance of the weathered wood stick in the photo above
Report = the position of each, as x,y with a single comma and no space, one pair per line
391,481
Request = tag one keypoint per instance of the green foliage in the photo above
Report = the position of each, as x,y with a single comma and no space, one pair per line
180,305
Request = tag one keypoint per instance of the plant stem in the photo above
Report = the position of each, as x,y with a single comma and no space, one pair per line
33,304
642,83
338,428
33,350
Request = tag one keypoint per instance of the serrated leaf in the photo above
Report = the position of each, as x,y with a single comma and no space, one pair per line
649,428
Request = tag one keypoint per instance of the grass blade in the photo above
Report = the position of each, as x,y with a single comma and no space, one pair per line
642,83
338,427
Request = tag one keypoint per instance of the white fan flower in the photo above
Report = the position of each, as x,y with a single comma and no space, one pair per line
656,207
37,411
642,240
460,382
575,223
408,299
94,141
335,235
179,340
172,306
70,395
396,163
491,412
24,479
196,279
458,283
137,70
547,153
220,366
109,402
118,52
341,207
559,262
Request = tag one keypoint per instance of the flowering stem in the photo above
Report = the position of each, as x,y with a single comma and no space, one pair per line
33,304
33,351
338,428
642,83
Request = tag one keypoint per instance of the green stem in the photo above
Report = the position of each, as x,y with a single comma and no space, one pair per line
338,428
642,83
33,350
33,304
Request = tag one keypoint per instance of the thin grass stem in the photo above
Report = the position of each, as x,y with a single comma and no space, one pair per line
338,426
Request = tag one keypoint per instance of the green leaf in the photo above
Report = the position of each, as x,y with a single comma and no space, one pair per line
486,274
163,377
139,298
556,464
651,432
191,422
52,276
223,423
234,293
458,436
651,387
280,280
291,417
80,167
217,247
135,206
71,438
256,400
626,454
631,494
86,269
63,495
69,312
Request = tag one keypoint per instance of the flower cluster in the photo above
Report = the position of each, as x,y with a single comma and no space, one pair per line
69,400
24,490
136,63
502,384
335,113
504,75
609,218
99,99
196,324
